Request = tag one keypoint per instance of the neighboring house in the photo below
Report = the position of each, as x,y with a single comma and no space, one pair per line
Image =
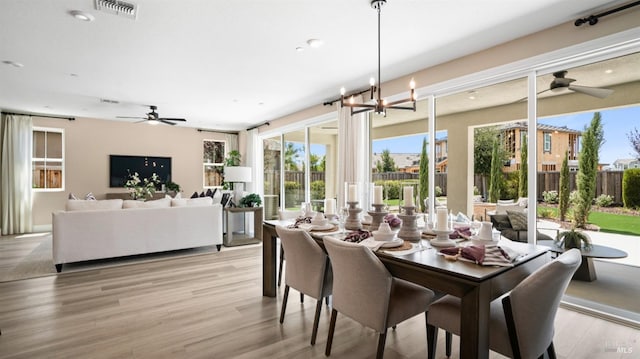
626,163
553,142
405,162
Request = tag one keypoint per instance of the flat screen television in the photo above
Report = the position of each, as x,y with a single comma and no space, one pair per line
120,166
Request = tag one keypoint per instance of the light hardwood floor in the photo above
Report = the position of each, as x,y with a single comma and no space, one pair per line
211,306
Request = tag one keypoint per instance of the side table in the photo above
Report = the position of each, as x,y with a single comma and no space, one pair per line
587,271
238,231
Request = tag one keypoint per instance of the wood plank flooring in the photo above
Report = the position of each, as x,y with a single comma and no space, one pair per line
211,306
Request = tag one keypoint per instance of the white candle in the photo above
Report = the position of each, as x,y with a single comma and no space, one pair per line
441,218
329,206
377,195
408,196
353,193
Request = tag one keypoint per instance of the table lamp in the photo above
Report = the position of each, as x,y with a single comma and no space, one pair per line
238,176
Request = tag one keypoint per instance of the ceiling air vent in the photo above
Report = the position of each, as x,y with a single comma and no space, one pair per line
106,100
116,7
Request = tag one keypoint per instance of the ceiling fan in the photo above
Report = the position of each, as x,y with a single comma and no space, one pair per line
154,118
561,82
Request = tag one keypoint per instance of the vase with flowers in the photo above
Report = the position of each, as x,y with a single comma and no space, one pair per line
142,189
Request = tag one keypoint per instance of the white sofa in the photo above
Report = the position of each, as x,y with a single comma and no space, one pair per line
114,228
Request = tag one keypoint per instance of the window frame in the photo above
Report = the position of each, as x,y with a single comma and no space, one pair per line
546,142
46,159
214,164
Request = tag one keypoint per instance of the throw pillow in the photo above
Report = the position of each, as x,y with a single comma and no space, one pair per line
500,222
90,197
72,196
178,195
202,194
194,195
80,205
159,203
209,193
518,219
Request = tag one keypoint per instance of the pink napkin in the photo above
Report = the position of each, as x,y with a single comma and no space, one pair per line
299,221
487,255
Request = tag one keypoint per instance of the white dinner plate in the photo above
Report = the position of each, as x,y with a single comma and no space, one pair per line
477,241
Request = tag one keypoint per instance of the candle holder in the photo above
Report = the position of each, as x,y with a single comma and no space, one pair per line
409,228
353,220
442,238
377,216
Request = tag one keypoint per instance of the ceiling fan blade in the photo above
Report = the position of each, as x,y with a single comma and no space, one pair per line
591,91
137,117
163,120
172,119
145,120
525,98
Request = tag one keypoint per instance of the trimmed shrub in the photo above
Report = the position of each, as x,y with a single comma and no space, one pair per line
545,213
550,196
292,191
604,200
510,185
438,191
631,188
573,197
317,190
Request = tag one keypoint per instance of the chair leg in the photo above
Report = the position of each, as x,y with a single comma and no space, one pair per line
284,303
551,351
316,319
332,327
381,341
301,298
281,263
432,340
448,337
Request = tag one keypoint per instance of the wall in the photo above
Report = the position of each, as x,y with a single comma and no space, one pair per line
89,142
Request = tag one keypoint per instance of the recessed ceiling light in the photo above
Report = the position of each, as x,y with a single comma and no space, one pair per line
12,63
299,48
81,15
315,43
608,71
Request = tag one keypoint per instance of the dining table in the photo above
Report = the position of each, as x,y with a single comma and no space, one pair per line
476,285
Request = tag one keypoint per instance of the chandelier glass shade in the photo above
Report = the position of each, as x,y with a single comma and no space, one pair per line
378,104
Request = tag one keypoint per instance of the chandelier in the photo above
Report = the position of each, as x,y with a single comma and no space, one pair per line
380,105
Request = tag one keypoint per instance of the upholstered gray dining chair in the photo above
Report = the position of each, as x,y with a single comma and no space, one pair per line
521,322
282,215
308,270
365,291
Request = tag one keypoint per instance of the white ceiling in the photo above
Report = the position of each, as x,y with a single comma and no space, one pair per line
229,65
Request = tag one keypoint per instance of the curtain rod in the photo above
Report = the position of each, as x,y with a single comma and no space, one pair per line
260,125
593,19
37,115
217,131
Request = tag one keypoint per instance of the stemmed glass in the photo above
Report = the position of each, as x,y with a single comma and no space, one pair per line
343,213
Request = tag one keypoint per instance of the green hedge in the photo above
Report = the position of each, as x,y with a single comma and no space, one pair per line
317,190
631,188
292,192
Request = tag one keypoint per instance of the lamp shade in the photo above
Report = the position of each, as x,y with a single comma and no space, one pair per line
237,174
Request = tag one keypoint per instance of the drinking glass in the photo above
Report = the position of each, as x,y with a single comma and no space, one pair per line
343,213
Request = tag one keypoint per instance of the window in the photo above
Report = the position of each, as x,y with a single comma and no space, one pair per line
213,153
548,168
47,161
547,141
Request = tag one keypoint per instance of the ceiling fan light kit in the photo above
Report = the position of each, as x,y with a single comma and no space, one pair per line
153,118
380,105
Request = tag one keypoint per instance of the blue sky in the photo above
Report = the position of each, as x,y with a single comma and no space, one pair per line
616,123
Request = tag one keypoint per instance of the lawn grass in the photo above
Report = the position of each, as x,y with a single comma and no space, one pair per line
608,222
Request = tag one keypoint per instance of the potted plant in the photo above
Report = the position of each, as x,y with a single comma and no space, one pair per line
573,239
251,200
172,187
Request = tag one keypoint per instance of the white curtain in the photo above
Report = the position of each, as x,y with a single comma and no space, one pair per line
232,142
353,153
15,175
250,160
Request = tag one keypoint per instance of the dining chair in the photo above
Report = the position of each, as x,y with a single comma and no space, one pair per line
282,215
308,270
365,291
521,322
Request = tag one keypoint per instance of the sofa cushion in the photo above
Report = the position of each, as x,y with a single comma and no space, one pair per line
158,203
73,196
192,202
503,208
92,205
518,219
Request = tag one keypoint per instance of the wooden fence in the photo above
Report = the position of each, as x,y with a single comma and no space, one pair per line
607,182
